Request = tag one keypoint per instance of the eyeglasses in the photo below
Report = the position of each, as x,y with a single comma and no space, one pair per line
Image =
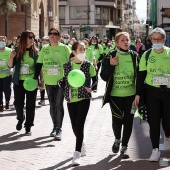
53,33
31,37
156,39
66,38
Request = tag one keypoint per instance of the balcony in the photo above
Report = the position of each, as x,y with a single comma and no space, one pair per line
63,2
110,3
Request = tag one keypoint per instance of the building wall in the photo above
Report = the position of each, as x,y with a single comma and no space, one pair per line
28,17
164,4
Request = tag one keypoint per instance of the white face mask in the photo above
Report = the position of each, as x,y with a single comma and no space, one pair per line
94,43
66,41
2,44
81,56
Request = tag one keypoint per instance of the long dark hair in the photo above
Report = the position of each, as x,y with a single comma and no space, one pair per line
22,45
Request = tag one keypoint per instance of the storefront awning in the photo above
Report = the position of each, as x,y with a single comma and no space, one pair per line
112,26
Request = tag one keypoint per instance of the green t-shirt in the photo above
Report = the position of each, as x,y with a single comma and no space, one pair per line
157,64
74,91
70,46
123,77
96,52
53,58
27,67
4,57
89,55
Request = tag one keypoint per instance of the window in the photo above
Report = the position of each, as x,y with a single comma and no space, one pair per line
106,13
98,12
78,12
62,12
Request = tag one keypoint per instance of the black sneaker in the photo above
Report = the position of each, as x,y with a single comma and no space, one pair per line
1,108
116,145
52,134
28,131
124,153
7,106
58,134
19,125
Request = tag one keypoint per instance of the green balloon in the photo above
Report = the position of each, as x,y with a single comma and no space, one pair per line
30,84
76,78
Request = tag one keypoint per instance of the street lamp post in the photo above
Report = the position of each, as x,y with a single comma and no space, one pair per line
162,11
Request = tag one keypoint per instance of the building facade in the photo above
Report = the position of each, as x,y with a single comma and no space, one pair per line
159,16
37,15
102,18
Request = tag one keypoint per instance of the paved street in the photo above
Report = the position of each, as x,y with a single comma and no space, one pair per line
41,152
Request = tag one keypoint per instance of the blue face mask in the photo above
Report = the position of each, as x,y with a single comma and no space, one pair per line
157,46
2,44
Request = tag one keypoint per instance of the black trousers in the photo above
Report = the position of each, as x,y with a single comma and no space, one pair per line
19,95
158,104
97,72
122,105
78,112
42,94
56,98
5,86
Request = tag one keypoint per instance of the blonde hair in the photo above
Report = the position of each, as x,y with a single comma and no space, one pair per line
117,37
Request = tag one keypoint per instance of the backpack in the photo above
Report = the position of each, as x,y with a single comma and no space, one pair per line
147,55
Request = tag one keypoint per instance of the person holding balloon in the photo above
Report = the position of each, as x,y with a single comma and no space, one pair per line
77,92
24,59
51,58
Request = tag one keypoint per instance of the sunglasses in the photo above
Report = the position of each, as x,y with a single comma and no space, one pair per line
53,33
66,38
31,37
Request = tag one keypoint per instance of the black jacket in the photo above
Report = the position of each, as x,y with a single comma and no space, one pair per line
107,71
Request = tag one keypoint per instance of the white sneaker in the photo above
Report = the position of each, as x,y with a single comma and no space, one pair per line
83,150
155,155
167,143
76,158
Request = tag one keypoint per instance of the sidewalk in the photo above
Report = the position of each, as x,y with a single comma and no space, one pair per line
41,152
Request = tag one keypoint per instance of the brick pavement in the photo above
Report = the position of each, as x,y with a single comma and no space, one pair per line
41,152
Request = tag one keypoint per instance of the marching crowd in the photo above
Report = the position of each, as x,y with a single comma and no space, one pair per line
132,76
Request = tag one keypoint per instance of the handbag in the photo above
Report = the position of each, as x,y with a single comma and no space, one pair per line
142,108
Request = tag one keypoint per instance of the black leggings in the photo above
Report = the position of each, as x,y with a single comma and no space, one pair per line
158,104
122,106
78,112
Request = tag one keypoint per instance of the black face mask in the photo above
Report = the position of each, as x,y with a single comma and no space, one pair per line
124,50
